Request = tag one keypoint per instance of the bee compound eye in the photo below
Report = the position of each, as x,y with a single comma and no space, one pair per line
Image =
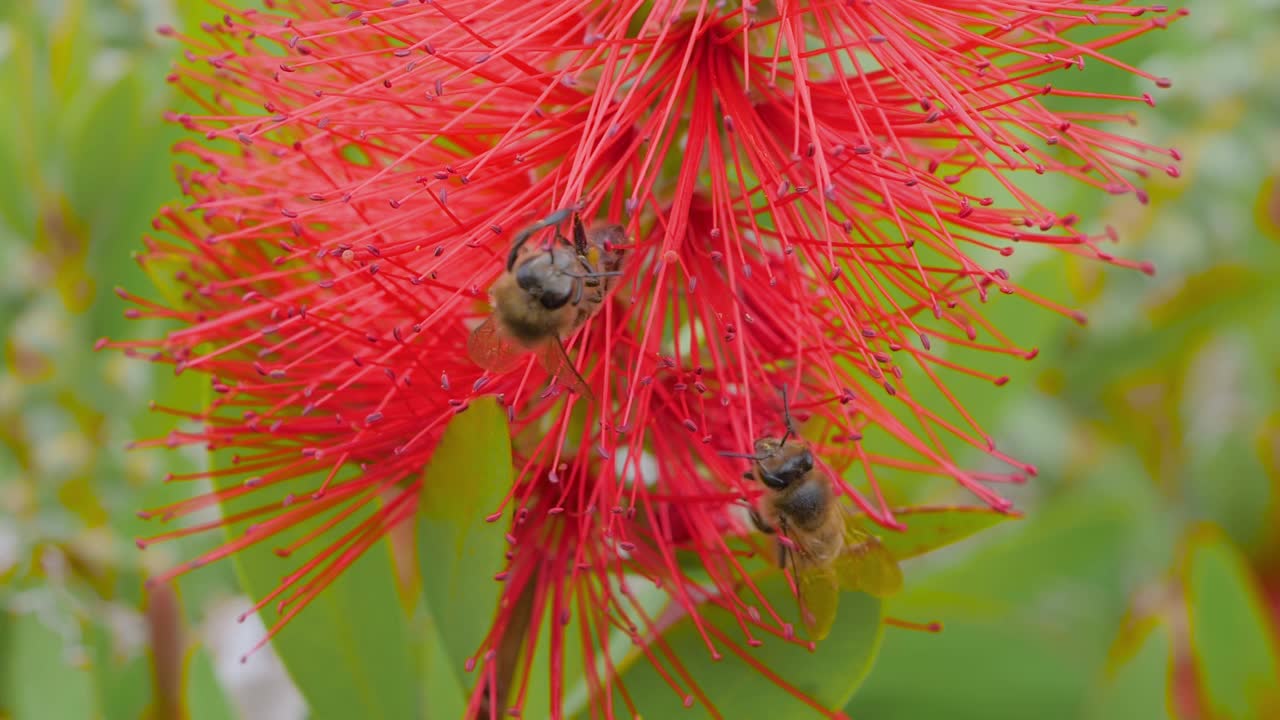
775,481
552,300
805,464
527,277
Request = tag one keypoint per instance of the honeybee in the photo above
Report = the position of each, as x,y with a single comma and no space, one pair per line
820,540
546,294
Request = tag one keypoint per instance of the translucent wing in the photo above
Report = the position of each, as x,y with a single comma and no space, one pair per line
865,564
817,588
818,593
492,350
558,364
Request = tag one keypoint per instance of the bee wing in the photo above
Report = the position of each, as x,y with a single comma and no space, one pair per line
865,564
492,350
820,595
557,363
817,594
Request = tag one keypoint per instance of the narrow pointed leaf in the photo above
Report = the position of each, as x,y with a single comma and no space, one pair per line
42,678
442,696
205,697
930,528
829,675
346,651
122,683
1137,685
1232,641
459,551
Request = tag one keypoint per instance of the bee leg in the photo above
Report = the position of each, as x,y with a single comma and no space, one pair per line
784,546
760,524
579,235
521,238
577,292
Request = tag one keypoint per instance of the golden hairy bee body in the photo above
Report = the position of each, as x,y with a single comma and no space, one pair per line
546,294
820,540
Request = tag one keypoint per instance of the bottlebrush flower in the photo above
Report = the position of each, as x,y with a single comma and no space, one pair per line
817,194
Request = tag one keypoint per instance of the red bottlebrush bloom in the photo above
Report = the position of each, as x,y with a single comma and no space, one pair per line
815,195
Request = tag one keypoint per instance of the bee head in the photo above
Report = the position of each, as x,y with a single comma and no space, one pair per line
781,465
544,282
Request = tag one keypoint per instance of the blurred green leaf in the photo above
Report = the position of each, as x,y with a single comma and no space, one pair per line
977,670
929,528
1040,603
205,699
122,682
8,663
17,209
1232,640
1204,302
42,681
71,47
1138,683
193,12
26,105
100,154
1241,507
442,695
14,210
734,685
459,551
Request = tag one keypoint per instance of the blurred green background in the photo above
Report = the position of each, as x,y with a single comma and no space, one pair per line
1145,582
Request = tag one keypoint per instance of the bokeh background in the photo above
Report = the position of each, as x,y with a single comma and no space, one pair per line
1144,581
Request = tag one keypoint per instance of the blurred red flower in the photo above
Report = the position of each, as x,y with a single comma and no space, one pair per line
816,195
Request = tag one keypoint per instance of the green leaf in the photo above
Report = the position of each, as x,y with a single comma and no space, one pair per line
1138,683
205,699
1039,607
442,696
40,679
929,528
122,682
103,156
71,49
829,675
1233,643
346,651
8,662
193,12
459,551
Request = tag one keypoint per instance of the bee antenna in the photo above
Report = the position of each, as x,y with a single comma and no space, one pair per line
523,236
555,218
591,275
786,416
